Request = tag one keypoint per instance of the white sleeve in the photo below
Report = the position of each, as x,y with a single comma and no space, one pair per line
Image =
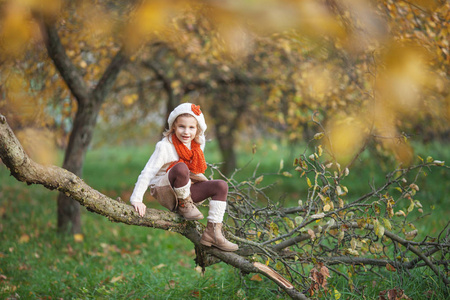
154,164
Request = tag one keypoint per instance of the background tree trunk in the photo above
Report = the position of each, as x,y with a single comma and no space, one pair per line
89,104
226,112
69,216
226,140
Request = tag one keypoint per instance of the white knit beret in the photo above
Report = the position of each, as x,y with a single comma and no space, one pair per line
193,110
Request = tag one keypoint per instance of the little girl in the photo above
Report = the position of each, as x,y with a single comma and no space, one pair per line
174,174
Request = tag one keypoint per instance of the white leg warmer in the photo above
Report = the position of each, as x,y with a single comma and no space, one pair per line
216,211
184,191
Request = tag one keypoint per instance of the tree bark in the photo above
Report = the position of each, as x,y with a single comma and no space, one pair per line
227,143
227,111
69,214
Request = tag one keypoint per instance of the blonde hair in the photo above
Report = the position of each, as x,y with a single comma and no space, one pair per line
171,130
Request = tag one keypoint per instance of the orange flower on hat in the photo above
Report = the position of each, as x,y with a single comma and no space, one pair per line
196,109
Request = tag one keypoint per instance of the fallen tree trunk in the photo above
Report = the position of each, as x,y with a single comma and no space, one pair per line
55,178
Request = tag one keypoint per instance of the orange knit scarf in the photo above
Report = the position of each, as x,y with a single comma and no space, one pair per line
194,158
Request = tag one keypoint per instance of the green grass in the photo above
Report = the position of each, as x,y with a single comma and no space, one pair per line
416,285
116,261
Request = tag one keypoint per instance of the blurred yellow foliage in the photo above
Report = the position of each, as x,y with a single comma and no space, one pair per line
150,20
39,145
15,29
384,61
17,26
129,100
403,77
47,7
319,82
347,136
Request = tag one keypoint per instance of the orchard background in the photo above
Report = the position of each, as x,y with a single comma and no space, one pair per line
329,119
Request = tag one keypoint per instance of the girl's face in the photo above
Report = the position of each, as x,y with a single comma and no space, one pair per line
186,129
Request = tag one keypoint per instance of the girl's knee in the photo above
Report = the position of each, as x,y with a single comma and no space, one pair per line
222,186
221,190
179,174
181,169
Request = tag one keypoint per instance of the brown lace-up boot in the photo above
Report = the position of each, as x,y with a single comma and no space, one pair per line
186,206
213,236
188,210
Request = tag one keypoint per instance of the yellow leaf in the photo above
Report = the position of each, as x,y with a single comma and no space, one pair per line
256,277
129,100
319,135
341,203
318,216
411,234
414,186
24,238
259,179
274,228
387,223
376,248
308,182
337,294
346,172
319,150
341,236
78,237
281,164
390,268
400,213
353,252
353,243
439,163
160,266
174,84
117,278
289,222
379,229
339,191
326,207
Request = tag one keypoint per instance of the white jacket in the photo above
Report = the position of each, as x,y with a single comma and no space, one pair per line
156,167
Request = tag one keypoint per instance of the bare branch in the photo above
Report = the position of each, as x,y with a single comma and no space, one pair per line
72,77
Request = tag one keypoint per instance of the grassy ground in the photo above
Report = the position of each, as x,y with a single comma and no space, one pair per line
115,261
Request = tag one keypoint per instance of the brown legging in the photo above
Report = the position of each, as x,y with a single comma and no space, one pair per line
216,189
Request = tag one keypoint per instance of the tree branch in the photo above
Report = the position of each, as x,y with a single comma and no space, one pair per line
109,76
62,62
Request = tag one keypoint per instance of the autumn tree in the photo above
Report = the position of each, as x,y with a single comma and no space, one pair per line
79,69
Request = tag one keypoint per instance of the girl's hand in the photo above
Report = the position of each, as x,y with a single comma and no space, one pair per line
140,208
